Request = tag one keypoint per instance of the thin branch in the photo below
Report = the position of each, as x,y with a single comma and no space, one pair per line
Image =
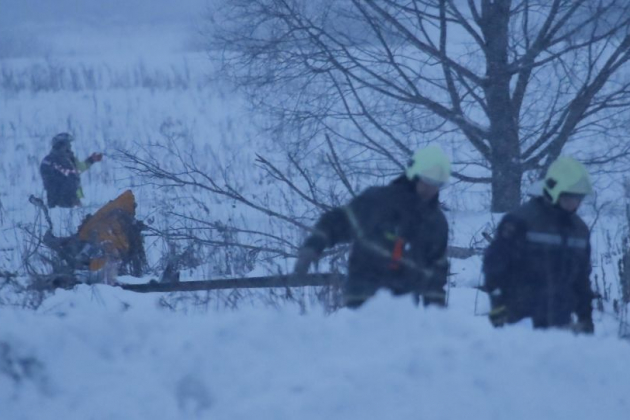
333,159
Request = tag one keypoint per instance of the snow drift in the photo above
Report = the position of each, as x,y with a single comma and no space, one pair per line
103,353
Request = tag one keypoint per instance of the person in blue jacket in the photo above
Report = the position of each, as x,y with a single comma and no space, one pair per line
398,233
61,172
539,262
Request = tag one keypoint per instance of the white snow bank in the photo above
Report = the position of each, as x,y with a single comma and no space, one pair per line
103,353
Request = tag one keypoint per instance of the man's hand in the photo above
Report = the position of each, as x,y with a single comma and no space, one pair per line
95,157
498,316
583,327
306,256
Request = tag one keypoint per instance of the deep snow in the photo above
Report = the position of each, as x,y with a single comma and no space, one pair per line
103,353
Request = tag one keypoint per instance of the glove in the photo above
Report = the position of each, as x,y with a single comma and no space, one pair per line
306,256
498,316
583,327
95,157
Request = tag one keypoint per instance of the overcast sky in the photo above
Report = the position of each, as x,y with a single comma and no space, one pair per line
20,12
31,28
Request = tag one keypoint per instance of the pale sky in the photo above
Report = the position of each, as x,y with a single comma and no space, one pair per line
32,28
19,12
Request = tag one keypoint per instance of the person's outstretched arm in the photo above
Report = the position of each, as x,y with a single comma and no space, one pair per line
83,166
339,225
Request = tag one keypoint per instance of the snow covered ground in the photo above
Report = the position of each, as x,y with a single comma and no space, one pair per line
98,352
101,353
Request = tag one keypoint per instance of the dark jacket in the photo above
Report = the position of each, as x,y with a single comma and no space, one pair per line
398,242
538,265
61,172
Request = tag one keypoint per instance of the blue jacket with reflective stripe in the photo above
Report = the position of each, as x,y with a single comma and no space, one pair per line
61,175
374,222
538,265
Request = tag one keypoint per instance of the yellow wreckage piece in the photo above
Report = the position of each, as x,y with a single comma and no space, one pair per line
108,228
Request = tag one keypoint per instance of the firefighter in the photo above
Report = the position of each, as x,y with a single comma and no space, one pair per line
398,234
61,170
538,264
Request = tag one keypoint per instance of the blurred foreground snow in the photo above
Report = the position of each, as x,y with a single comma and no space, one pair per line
103,353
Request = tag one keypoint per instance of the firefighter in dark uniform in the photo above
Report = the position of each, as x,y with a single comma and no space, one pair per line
398,234
539,263
61,172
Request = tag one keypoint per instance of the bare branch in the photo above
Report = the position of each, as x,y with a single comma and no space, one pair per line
334,161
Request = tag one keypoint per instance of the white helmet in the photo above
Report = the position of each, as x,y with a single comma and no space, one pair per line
566,176
62,138
430,165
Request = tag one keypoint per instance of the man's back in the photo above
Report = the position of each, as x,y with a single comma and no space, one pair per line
61,179
540,262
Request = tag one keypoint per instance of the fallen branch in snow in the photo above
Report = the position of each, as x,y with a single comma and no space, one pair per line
462,253
285,281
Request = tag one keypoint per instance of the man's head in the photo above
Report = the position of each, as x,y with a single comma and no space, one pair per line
62,141
567,183
430,169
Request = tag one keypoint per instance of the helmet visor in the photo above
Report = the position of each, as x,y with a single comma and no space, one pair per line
572,196
428,181
62,139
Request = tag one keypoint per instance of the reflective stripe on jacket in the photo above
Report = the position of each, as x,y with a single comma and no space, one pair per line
61,176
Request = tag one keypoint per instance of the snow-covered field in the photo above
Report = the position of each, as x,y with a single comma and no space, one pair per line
98,352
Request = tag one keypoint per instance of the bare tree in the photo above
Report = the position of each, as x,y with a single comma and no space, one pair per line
516,79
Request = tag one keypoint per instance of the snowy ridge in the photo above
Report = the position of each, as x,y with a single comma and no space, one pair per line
387,360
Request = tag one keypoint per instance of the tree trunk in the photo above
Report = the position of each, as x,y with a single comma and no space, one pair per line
506,185
504,134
